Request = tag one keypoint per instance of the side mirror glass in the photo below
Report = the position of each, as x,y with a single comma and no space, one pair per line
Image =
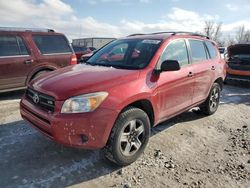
170,65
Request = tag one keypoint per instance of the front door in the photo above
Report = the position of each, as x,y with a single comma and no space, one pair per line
175,88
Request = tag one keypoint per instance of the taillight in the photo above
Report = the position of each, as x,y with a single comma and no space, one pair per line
73,60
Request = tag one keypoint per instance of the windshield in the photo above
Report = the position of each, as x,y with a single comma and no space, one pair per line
126,54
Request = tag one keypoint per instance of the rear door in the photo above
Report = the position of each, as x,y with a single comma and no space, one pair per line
175,88
54,50
203,69
15,62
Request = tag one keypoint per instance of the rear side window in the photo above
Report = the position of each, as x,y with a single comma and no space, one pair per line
176,50
79,48
211,49
52,44
12,46
198,51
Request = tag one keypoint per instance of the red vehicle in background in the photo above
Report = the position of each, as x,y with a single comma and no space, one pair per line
114,99
238,62
82,50
27,53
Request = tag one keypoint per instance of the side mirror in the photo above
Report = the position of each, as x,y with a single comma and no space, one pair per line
170,65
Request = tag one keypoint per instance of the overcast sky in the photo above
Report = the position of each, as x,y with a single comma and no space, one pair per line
115,18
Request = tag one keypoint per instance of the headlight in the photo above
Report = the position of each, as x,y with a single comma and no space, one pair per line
83,103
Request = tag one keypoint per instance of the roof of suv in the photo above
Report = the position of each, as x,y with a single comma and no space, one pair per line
164,35
14,30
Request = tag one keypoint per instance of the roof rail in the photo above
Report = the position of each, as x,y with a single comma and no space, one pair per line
173,33
25,29
136,34
183,33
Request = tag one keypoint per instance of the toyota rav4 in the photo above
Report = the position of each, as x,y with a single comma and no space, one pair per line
130,85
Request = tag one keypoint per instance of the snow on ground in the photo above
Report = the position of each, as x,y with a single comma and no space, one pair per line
190,150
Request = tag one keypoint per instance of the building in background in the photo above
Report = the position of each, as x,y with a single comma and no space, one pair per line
97,42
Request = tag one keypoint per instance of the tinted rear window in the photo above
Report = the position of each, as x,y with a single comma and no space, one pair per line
197,50
12,46
51,44
211,49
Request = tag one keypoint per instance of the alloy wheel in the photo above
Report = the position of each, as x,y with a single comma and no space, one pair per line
132,137
214,99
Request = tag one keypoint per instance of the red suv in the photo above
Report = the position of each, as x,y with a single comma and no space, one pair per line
28,53
112,103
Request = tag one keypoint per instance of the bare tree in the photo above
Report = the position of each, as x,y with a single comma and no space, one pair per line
230,40
213,30
242,35
247,36
209,28
217,33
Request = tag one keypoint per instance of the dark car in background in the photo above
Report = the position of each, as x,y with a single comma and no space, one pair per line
27,53
238,62
82,50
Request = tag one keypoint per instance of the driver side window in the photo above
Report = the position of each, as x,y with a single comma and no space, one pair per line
117,53
176,50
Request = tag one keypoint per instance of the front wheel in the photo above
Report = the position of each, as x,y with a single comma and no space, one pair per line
128,137
211,104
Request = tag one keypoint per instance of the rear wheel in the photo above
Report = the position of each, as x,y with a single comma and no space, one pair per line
128,137
211,104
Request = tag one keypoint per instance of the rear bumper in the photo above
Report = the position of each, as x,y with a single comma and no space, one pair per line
238,75
86,130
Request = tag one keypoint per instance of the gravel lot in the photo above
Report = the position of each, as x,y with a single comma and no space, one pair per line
190,150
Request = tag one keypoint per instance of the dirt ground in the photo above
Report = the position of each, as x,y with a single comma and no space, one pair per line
190,150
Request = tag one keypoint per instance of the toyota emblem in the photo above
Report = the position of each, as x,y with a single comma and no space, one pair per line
35,98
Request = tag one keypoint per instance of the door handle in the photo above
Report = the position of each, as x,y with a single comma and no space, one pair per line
190,74
213,68
29,61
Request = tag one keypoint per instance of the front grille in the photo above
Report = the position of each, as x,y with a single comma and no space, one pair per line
41,100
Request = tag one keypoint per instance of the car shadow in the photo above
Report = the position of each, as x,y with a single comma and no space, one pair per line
239,84
33,160
235,94
12,95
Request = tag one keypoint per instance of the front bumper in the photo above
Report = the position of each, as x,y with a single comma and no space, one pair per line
86,130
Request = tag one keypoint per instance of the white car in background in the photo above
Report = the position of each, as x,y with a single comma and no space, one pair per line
223,51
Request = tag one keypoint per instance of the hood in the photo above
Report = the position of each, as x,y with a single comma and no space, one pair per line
239,49
81,79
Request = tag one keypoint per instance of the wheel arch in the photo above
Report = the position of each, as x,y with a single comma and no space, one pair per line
37,70
146,106
219,81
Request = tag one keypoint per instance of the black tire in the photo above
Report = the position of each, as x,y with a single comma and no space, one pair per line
116,149
211,104
226,80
